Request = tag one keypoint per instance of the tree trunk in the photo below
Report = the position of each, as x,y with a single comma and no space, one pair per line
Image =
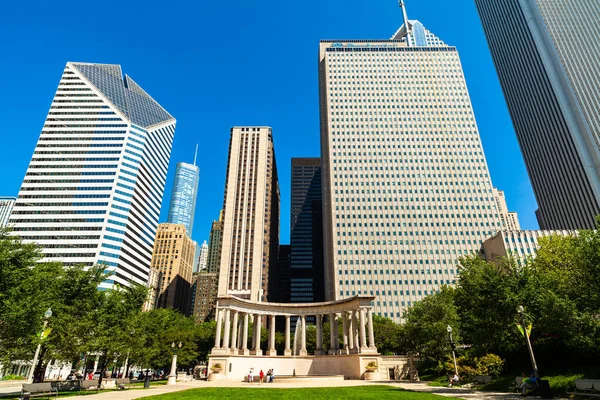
103,365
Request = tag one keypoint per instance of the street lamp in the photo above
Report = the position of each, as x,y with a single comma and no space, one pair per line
521,312
125,368
173,375
47,316
449,329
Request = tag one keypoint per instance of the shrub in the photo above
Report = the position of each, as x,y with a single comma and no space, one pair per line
470,367
12,377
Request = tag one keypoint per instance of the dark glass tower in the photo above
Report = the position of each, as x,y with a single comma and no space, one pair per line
546,54
306,236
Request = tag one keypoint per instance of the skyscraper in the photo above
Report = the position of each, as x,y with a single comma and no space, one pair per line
6,205
546,55
183,197
214,245
510,219
306,232
406,187
203,258
250,237
93,190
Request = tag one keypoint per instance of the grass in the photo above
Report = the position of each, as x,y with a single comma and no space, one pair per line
134,386
357,392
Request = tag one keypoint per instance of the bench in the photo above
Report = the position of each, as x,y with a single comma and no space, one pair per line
586,387
516,384
482,380
122,382
89,385
45,389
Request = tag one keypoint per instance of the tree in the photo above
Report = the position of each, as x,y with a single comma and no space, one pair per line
389,336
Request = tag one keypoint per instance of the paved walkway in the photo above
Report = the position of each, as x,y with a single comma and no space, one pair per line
418,387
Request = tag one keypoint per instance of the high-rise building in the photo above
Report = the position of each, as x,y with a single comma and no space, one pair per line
173,257
183,196
546,54
406,187
510,219
93,190
214,245
306,232
6,206
204,296
518,244
250,237
203,257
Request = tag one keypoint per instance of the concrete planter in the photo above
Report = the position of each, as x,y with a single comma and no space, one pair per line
215,376
371,376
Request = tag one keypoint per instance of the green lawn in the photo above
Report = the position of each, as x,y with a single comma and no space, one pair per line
358,392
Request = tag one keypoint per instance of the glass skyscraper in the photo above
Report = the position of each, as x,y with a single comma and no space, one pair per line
406,187
93,190
546,53
183,196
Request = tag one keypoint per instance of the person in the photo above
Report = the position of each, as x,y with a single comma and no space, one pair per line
91,375
261,375
251,375
272,375
529,383
454,380
269,376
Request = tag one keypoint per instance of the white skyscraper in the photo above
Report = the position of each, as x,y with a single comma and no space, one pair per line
406,187
6,205
94,188
203,259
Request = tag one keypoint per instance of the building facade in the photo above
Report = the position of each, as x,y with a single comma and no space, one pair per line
93,190
546,56
204,296
173,258
6,206
406,187
183,196
214,245
250,236
520,245
306,233
203,257
510,219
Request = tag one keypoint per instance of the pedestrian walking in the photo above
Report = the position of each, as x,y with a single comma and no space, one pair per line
251,375
261,375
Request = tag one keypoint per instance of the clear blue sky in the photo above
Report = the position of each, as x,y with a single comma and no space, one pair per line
216,64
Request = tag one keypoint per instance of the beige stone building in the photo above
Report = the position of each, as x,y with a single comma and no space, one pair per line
173,257
510,219
250,236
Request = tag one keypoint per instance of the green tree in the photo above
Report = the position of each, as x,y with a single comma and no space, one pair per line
389,336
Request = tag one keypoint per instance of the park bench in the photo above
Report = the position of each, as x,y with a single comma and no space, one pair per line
516,384
586,387
482,380
89,385
45,389
121,383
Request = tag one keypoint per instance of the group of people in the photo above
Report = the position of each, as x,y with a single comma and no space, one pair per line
261,375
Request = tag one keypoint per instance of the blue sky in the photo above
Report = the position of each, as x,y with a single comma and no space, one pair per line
217,64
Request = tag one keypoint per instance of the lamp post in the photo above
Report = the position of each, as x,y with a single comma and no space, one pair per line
47,316
521,312
173,375
125,371
449,329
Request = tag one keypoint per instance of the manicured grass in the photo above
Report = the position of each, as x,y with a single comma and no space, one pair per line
357,392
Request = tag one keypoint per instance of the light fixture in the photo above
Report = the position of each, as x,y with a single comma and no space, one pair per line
449,328
48,313
520,309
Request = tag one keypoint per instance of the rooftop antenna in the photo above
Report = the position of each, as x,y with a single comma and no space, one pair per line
406,23
196,154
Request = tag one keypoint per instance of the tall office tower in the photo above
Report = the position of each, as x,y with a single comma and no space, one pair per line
197,250
203,258
406,188
6,206
546,54
93,190
306,232
510,219
204,296
250,237
183,196
214,245
173,257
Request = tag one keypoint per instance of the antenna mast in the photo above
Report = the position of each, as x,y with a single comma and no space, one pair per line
196,154
406,23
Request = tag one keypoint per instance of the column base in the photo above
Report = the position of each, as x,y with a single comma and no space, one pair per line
368,350
272,353
287,352
172,380
220,351
244,352
256,352
303,353
319,352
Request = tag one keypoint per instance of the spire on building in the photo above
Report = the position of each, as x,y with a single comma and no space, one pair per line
196,154
407,24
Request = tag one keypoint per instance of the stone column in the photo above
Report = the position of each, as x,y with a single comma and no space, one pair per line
272,350
227,328
345,331
257,324
319,346
245,351
287,351
336,334
350,315
303,348
239,336
234,339
363,334
371,333
356,332
332,334
218,332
